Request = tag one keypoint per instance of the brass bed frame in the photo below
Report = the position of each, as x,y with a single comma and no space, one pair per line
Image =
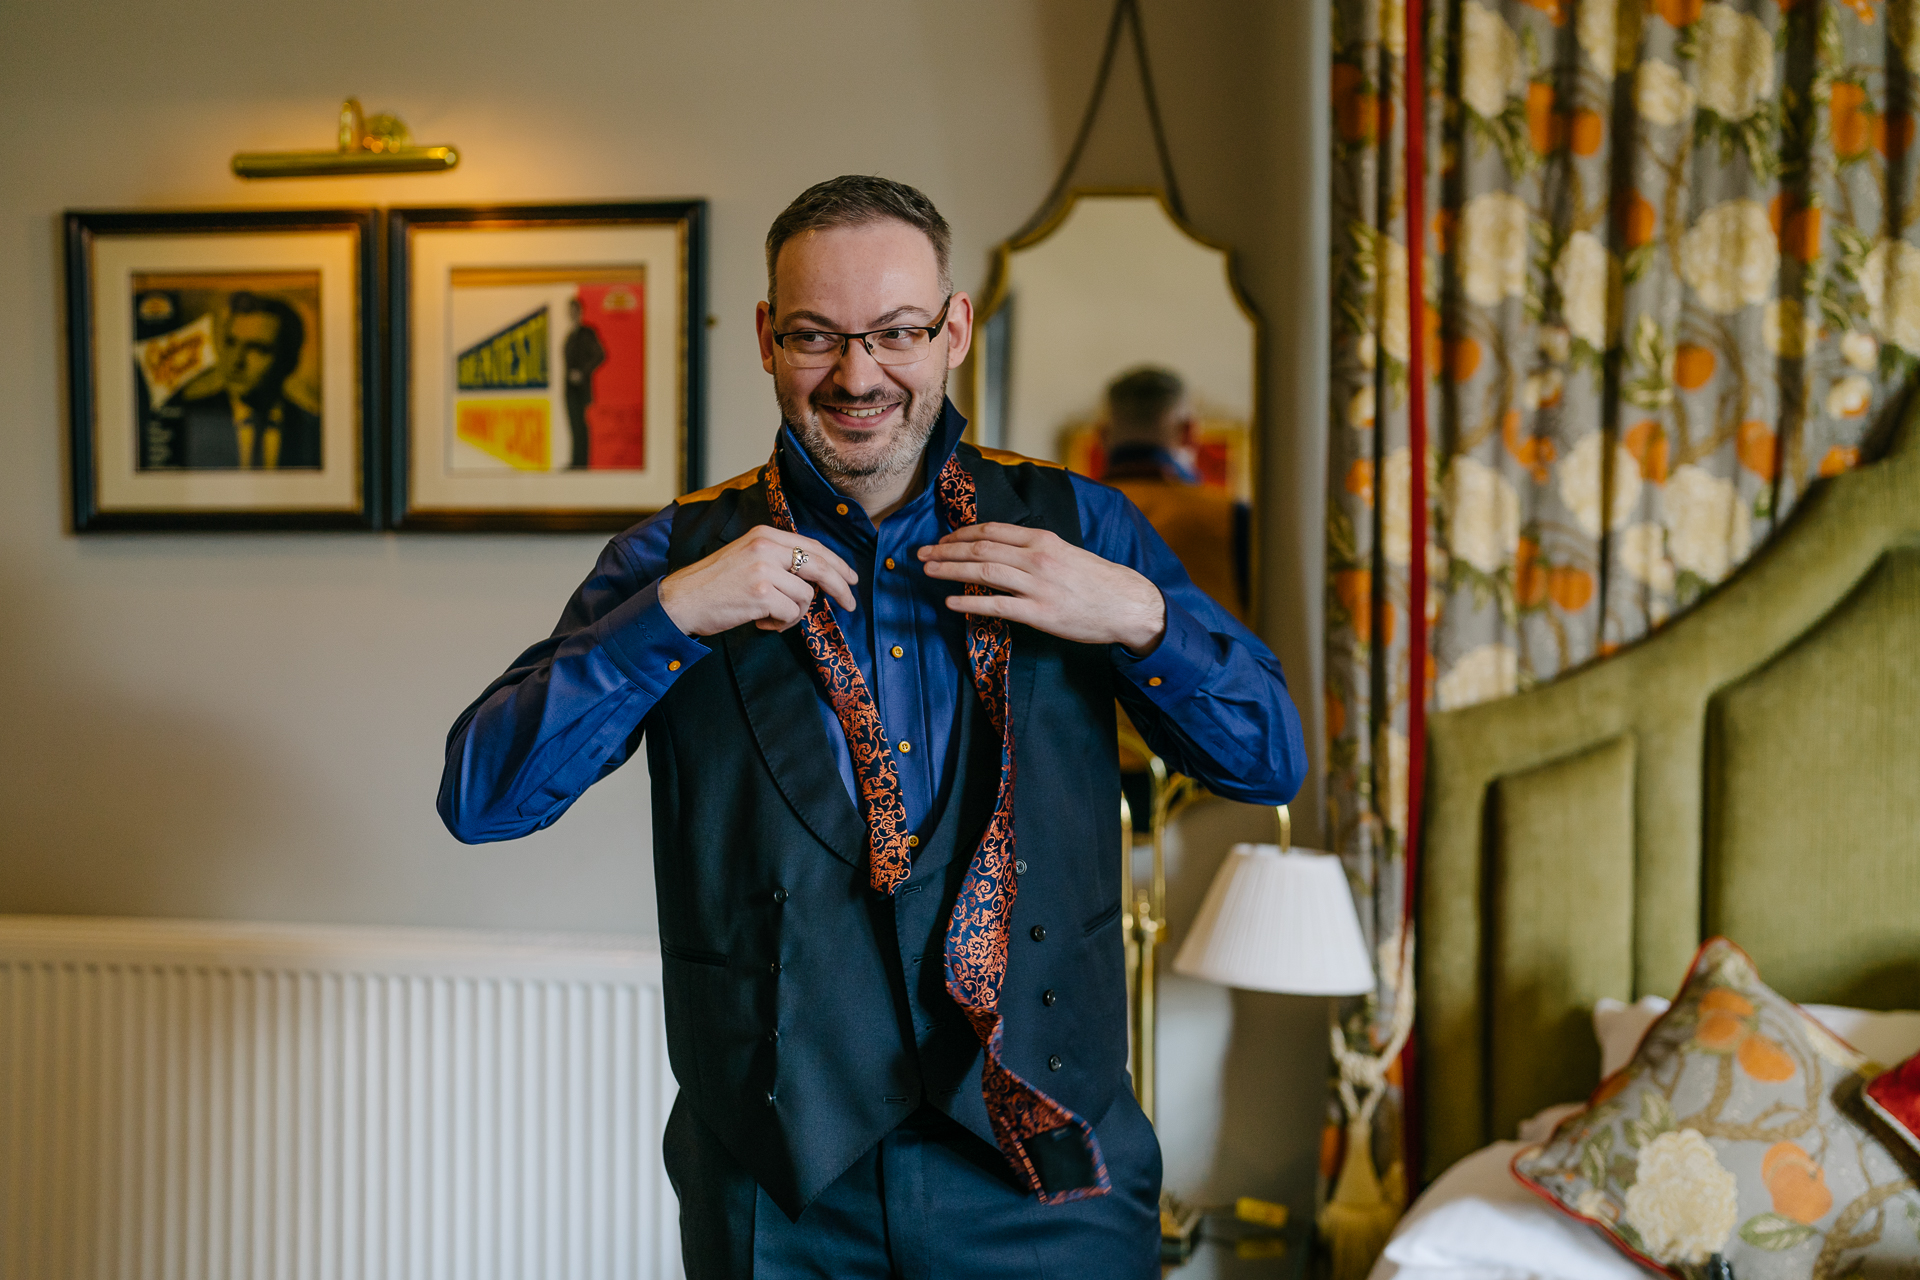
1752,769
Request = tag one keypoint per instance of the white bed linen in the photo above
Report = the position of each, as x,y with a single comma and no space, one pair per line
1477,1223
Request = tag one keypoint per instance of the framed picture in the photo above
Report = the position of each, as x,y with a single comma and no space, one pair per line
548,363
223,369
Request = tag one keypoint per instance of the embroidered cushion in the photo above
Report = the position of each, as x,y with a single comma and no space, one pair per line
1736,1129
1895,1097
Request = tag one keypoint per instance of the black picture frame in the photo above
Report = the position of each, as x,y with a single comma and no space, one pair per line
84,230
689,216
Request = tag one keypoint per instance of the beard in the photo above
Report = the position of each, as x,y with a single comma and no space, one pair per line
880,460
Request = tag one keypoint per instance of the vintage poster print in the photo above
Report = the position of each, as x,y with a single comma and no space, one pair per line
546,363
227,369
548,369
223,369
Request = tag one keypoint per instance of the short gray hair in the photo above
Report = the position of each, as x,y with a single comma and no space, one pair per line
853,200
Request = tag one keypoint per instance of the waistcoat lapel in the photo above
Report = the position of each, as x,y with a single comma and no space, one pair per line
999,504
775,678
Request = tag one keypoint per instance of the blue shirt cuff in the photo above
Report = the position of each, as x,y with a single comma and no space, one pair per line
646,644
1178,666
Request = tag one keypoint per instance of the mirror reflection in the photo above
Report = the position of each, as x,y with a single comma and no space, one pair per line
1117,343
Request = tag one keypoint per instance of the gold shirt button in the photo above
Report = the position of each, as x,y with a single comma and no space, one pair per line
889,562
674,665
1154,681
905,747
897,651
841,509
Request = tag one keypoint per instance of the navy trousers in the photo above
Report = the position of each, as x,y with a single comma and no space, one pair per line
931,1201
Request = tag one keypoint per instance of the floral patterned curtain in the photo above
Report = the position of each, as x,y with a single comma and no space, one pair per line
1669,282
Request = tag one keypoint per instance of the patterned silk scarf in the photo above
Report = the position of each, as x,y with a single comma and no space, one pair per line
976,952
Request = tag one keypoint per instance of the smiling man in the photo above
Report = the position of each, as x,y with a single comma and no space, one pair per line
876,679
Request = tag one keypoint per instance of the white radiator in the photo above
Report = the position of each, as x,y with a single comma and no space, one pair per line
187,1101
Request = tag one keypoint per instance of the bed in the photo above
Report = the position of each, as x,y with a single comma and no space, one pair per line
1748,771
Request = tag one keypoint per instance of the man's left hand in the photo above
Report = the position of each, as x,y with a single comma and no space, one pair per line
1051,585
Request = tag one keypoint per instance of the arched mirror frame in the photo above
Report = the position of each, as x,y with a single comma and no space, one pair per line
974,372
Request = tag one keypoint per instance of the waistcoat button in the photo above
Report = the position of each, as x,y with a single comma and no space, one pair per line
779,895
1053,1064
1049,999
771,1099
1039,933
773,1036
1019,867
774,968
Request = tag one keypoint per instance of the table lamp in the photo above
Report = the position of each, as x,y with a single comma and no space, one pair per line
1281,919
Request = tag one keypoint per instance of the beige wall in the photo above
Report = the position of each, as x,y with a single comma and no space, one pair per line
251,726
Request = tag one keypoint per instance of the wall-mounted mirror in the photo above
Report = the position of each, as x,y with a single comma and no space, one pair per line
1116,341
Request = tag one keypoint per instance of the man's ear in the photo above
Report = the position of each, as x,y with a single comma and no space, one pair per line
959,328
763,329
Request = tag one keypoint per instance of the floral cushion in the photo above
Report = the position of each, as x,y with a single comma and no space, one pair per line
1737,1129
1895,1098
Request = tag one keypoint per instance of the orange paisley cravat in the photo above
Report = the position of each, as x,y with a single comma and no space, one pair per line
976,948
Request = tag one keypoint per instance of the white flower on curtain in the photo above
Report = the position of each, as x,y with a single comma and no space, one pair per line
1396,743
1493,66
1543,386
1890,282
1483,515
1731,255
1493,245
1736,61
1396,534
1661,94
1709,529
1597,31
1393,27
1683,1201
1489,671
1643,555
1360,409
1860,350
1584,273
1390,296
1580,484
1849,397
1787,330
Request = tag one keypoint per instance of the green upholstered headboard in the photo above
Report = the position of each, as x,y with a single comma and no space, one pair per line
1753,769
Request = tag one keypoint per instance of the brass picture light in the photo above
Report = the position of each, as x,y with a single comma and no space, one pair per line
368,144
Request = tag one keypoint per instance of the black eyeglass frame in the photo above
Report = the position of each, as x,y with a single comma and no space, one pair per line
932,331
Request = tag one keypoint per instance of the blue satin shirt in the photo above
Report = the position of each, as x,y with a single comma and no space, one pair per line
1211,699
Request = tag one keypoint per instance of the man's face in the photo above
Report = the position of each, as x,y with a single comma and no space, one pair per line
251,337
858,418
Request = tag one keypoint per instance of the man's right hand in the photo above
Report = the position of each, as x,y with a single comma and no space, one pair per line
752,579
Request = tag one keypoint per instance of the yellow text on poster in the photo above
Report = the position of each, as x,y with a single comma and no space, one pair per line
517,431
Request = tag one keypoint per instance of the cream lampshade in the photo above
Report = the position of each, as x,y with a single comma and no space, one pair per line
1279,921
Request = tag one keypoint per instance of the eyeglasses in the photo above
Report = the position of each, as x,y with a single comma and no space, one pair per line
895,344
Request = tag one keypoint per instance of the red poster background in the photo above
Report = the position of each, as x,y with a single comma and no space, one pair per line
617,418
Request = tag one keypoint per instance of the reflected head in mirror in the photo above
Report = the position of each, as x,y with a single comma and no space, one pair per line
857,269
1147,407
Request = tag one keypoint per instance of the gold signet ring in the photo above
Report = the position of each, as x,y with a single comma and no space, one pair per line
799,558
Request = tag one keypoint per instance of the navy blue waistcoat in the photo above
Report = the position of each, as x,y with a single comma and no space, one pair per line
798,1026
